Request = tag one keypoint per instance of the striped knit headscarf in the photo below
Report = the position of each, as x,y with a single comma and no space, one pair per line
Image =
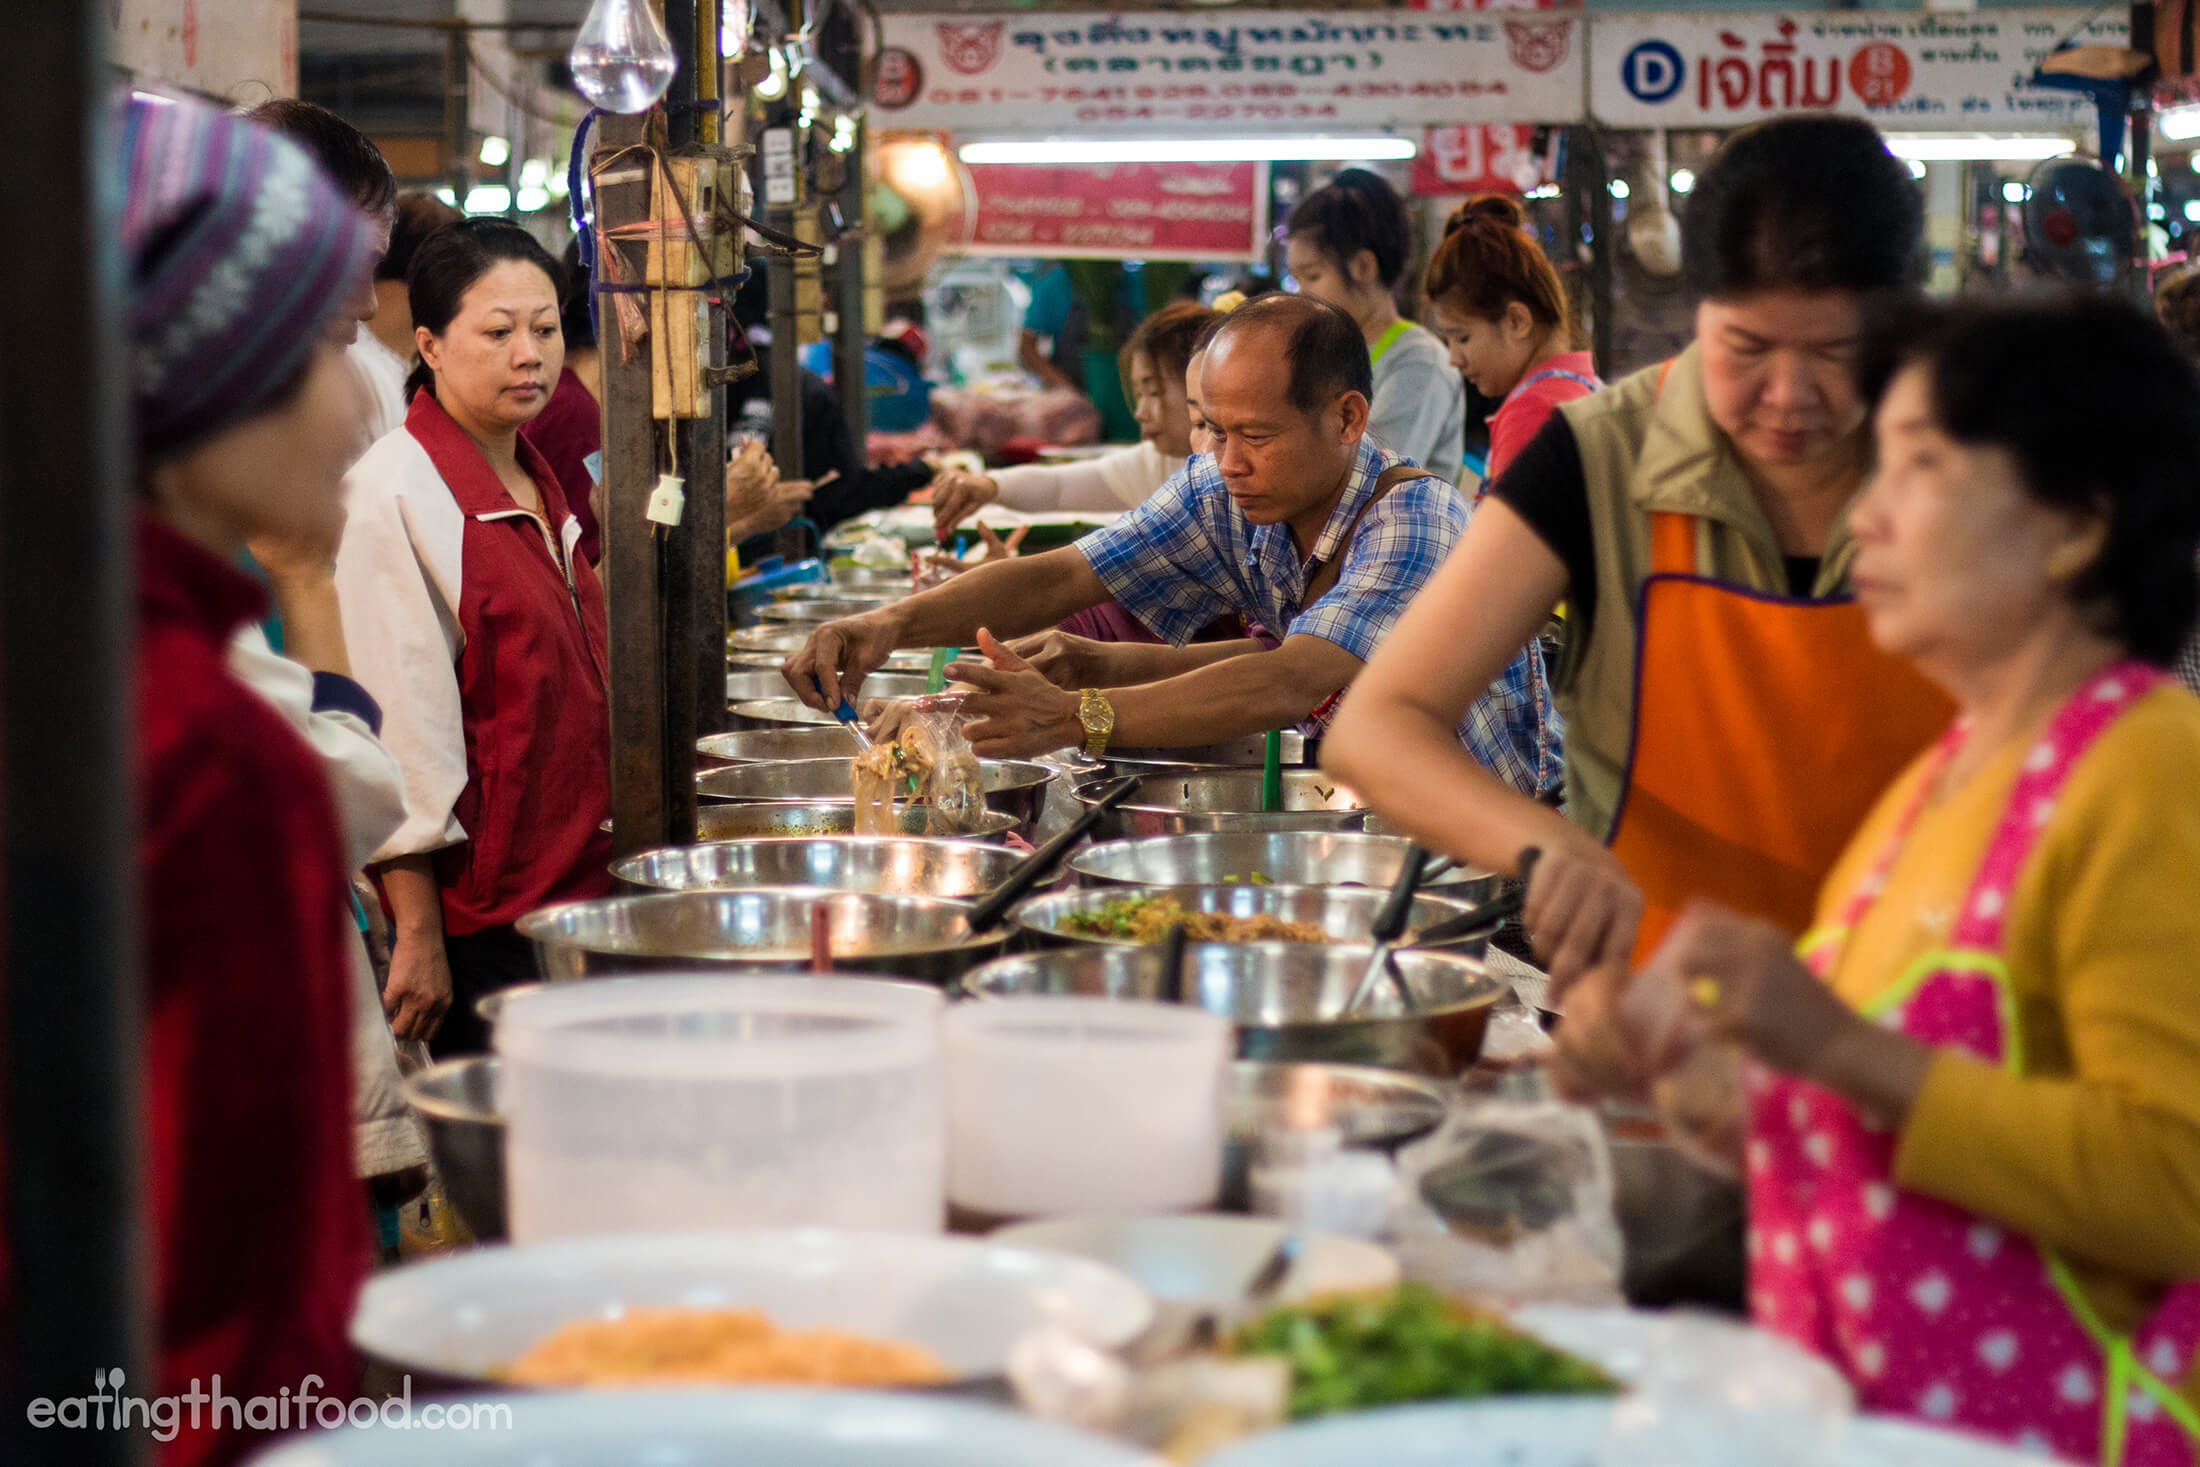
238,251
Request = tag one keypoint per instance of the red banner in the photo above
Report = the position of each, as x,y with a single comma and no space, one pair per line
1130,211
1496,158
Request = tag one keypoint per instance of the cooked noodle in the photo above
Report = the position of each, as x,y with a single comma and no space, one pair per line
927,757
716,1347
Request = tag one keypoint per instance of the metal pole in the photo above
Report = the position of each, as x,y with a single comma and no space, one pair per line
850,331
783,197
634,559
703,451
69,974
1589,221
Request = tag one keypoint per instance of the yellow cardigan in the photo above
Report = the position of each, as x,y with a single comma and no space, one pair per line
2095,1150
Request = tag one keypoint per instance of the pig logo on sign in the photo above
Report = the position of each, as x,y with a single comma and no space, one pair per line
970,49
1537,45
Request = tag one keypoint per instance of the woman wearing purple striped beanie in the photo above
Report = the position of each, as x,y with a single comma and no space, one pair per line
238,251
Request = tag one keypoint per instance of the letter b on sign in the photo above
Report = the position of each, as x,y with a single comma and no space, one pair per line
1652,72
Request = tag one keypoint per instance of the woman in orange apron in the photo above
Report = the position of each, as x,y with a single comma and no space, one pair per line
1970,1114
1727,720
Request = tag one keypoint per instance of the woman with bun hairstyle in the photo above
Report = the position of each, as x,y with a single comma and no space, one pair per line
1349,243
1499,307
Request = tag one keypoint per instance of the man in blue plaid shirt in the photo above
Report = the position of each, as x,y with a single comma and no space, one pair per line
1298,521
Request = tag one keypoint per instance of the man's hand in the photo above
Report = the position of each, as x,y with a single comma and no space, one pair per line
1015,711
298,560
1063,660
838,656
418,993
956,496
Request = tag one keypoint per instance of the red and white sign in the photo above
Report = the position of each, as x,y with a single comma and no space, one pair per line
1131,211
1917,71
238,50
1492,158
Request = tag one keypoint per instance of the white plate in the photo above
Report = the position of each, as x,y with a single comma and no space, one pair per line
963,1299
719,1429
1207,1259
1545,1432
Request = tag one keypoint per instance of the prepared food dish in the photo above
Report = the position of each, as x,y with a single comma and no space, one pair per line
1149,919
926,757
674,1347
1354,1351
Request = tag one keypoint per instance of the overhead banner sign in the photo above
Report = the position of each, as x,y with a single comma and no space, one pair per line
1146,211
1249,70
1932,71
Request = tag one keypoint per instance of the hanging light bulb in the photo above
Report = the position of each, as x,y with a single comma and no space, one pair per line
773,85
622,59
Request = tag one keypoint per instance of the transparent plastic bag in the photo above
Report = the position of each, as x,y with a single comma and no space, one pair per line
1510,1202
932,764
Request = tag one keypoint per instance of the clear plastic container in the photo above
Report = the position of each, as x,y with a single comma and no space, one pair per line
1061,1106
691,1103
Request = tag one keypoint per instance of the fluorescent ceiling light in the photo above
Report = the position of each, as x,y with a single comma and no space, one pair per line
1683,180
494,152
2179,123
534,173
1620,190
1974,148
531,199
1192,150
2013,191
447,197
2192,210
489,199
1917,168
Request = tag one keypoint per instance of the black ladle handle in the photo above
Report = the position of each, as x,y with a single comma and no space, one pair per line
1390,918
1489,914
987,914
1172,962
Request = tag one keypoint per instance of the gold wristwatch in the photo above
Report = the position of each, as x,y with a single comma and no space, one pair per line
1097,714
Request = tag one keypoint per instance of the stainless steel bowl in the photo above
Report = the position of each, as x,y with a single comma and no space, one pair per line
1285,998
769,658
739,822
1286,858
834,591
1249,752
786,712
886,578
1346,914
821,609
462,1102
772,745
1373,1109
1012,786
754,685
758,931
937,868
1200,801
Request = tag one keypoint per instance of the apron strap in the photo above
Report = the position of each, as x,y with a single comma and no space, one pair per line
2083,717
1388,339
1560,374
1672,543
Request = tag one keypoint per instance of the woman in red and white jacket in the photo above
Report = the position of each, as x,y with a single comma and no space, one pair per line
481,632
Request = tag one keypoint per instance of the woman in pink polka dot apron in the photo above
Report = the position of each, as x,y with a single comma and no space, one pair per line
1930,1311
1967,1109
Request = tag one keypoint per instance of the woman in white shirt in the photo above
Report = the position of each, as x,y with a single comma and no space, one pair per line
1154,362
1349,243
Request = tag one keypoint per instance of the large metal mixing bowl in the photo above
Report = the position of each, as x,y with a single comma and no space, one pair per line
819,609
892,579
783,712
775,745
462,1102
1201,801
1345,914
1249,752
1286,998
937,868
1012,786
1372,1109
1284,857
832,591
795,817
754,685
758,931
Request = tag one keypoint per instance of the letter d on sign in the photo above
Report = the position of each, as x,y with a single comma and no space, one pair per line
1652,72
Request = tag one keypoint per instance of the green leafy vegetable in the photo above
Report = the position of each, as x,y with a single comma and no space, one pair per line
1356,1351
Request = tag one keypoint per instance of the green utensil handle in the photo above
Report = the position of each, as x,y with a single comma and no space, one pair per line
1271,773
936,680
